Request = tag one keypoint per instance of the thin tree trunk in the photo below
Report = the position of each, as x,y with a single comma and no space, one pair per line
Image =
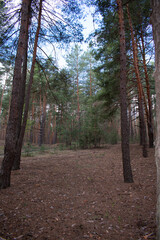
140,125
17,159
2,95
5,127
40,114
43,122
155,18
78,107
149,119
16,108
139,86
135,121
32,119
41,132
90,77
54,135
48,128
127,171
130,122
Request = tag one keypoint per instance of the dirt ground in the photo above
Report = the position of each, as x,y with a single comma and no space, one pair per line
75,195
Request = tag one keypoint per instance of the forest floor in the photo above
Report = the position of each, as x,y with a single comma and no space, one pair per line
76,195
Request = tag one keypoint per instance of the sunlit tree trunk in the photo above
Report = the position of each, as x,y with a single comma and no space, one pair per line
155,18
127,171
139,86
16,108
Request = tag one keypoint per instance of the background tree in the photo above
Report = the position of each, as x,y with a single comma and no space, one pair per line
107,52
19,82
139,86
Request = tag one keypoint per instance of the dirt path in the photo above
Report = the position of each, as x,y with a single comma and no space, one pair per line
75,195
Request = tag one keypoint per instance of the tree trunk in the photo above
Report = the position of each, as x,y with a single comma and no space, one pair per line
33,119
155,18
139,86
78,106
42,129
17,159
127,171
149,119
54,135
2,95
17,100
130,123
42,123
90,77
48,128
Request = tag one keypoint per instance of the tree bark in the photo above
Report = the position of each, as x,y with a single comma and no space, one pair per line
90,76
78,106
130,122
2,95
33,119
155,18
54,135
17,159
17,100
139,86
127,171
42,123
149,118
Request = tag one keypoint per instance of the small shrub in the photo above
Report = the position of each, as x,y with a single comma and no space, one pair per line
28,150
42,149
111,136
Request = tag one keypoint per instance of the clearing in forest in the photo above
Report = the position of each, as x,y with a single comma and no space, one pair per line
75,195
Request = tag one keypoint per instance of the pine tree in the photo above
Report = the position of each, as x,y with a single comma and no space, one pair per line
17,100
127,172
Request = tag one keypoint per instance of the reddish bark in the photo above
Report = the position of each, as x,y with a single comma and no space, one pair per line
17,100
27,100
78,106
42,123
127,171
139,86
2,96
33,119
90,78
149,118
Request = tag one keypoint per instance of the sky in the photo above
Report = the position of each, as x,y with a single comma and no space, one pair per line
60,53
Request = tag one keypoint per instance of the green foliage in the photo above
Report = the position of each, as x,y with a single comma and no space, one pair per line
9,18
89,137
111,136
28,150
90,131
42,149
